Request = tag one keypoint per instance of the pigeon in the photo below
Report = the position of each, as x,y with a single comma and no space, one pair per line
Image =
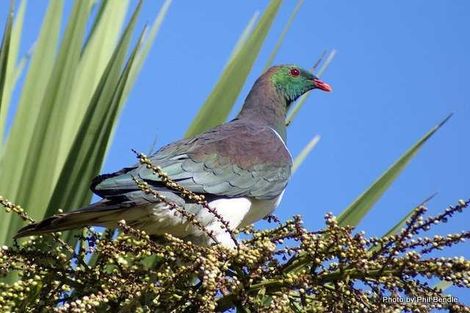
241,167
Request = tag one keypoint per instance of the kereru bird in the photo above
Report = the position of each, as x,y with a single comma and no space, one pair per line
242,167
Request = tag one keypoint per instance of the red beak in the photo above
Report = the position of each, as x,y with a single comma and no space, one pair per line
321,85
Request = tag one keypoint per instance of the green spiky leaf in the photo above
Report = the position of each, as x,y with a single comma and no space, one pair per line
283,34
354,213
87,151
305,152
219,103
13,156
8,58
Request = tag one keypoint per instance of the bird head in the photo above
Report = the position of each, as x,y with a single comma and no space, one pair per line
292,81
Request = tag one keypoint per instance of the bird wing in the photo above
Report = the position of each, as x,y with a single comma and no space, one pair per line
233,160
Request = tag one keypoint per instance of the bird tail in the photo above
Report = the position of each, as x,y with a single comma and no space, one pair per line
100,214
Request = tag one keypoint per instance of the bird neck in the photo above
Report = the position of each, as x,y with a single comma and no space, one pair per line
264,105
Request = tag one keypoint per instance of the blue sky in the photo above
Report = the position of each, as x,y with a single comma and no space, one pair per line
401,67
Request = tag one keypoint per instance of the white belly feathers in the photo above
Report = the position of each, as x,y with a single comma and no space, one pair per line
238,212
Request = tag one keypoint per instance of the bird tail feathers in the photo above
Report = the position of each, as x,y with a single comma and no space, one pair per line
99,214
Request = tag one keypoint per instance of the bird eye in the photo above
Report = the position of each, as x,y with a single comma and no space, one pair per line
294,72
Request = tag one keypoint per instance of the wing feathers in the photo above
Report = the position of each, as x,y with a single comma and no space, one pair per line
215,162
